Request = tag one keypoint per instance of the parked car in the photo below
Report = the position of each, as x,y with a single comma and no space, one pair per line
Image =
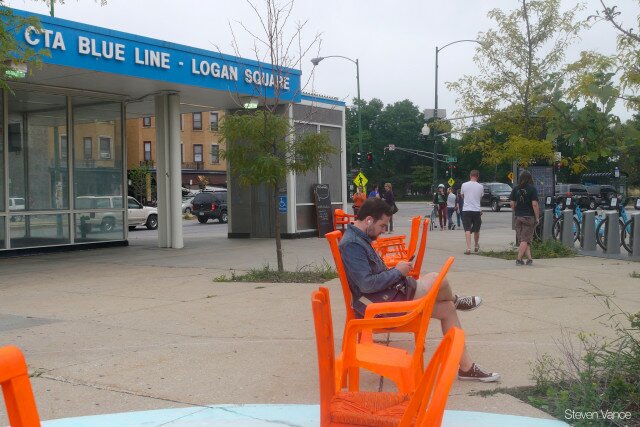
212,205
187,204
600,195
108,220
577,192
496,195
16,204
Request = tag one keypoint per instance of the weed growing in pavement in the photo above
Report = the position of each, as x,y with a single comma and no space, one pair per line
305,274
635,275
539,250
600,379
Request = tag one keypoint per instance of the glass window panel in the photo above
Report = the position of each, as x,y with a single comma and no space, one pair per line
197,121
2,234
99,120
37,169
2,191
213,121
63,146
215,154
147,151
304,183
146,122
88,148
40,230
331,172
197,153
99,226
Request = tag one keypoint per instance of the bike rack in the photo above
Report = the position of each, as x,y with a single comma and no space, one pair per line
588,231
566,234
635,244
547,225
613,234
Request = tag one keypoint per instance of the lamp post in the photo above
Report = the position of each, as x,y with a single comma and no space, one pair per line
316,61
435,108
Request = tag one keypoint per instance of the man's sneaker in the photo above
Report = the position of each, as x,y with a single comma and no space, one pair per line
529,262
467,303
519,262
475,373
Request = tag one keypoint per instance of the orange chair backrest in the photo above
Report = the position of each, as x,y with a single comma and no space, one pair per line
338,215
417,266
427,405
16,387
413,238
326,351
334,239
427,309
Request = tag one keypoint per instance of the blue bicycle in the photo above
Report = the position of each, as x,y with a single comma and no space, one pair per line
626,230
559,221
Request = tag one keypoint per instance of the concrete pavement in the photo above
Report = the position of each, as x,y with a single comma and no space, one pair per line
141,328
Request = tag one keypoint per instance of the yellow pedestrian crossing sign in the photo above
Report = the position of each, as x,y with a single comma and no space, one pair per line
451,182
510,176
360,180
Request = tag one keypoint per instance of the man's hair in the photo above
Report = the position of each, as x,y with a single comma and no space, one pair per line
374,208
525,178
474,173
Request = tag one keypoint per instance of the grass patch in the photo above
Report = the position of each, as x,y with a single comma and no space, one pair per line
635,275
306,274
600,376
539,250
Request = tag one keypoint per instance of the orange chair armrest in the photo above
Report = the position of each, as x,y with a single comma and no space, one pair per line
390,307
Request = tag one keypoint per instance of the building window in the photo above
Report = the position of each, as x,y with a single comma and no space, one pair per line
64,146
147,151
146,122
215,154
213,121
197,121
105,147
181,121
197,153
181,152
88,147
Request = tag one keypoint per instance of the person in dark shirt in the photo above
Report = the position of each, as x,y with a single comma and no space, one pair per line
391,201
524,202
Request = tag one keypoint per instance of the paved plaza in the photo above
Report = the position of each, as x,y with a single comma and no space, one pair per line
141,328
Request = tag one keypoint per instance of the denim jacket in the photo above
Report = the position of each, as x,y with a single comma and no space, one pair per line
367,274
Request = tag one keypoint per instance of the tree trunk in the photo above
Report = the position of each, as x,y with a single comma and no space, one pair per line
276,218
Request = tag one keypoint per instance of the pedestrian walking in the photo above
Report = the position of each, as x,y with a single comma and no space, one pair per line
451,207
459,206
472,192
440,200
524,202
358,199
391,201
374,194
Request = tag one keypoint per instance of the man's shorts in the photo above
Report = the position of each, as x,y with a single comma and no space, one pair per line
471,221
525,225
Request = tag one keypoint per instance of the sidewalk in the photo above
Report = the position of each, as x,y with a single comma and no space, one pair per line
142,328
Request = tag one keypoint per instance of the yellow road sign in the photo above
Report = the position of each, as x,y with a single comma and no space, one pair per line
510,176
360,180
451,182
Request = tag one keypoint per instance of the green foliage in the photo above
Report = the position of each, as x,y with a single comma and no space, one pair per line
422,177
140,177
635,275
262,148
603,375
306,274
12,48
539,250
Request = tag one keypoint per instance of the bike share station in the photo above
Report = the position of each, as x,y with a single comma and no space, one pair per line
601,235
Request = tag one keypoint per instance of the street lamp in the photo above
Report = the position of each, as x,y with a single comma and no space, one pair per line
435,109
316,61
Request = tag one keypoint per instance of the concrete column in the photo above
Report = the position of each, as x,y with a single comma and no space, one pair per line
547,225
613,234
566,234
169,171
635,240
588,231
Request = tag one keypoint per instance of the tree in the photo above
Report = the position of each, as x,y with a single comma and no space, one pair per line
521,64
13,52
140,177
262,147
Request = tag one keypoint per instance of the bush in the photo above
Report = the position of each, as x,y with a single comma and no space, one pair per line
539,250
306,274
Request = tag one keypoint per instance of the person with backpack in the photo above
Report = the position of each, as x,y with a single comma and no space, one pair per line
524,202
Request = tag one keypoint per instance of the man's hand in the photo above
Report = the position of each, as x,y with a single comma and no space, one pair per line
404,267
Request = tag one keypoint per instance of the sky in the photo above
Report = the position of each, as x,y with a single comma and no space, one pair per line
394,41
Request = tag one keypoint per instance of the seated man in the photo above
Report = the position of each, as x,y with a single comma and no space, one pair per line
371,281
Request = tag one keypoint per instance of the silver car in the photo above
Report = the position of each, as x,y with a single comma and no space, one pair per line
186,204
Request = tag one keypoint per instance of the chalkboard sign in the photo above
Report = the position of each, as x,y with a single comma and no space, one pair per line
543,180
324,212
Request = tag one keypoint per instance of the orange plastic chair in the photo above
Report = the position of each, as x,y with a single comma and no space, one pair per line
338,408
393,250
16,387
417,265
342,219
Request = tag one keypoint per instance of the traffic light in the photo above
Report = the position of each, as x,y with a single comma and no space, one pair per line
359,159
370,158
